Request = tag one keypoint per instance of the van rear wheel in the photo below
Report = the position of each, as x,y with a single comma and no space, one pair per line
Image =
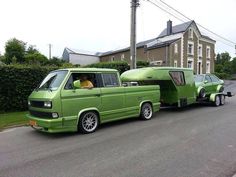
146,111
88,122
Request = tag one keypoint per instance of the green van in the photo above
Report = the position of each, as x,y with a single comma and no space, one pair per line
61,104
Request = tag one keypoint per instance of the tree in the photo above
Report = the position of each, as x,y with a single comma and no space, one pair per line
14,48
233,65
33,56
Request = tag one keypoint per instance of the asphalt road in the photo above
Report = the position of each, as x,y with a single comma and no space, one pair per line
196,141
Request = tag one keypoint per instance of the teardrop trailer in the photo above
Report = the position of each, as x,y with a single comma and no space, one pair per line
177,86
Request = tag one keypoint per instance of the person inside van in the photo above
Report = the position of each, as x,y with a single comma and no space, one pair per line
85,83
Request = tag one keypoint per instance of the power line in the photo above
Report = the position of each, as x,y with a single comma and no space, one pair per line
198,23
165,10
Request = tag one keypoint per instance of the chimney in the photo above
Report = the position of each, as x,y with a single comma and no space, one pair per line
169,27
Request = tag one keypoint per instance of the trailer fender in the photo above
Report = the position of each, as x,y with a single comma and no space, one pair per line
213,96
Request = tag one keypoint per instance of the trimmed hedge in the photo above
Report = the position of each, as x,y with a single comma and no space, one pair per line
120,66
16,84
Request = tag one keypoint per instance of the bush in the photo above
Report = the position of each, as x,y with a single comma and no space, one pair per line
141,64
222,75
120,66
17,82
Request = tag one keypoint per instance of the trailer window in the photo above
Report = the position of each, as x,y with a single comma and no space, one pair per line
177,77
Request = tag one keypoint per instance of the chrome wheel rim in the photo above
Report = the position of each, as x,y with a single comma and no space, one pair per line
89,122
147,112
217,101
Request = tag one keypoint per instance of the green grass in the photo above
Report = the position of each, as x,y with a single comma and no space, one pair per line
12,119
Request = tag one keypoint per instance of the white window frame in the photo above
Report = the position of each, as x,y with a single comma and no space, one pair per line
122,57
175,63
208,55
176,48
192,52
200,51
190,60
208,67
190,33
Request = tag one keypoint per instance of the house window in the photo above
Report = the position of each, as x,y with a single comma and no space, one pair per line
122,57
200,50
208,67
175,63
208,52
176,48
190,48
113,58
190,33
190,63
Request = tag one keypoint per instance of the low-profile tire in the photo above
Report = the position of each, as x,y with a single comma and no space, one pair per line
88,122
217,100
202,93
146,111
222,100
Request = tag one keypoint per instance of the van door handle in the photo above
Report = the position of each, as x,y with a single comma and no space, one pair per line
98,95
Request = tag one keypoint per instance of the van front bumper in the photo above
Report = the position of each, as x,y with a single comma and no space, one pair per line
53,125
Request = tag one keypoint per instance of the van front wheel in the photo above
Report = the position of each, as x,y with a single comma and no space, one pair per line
146,111
88,122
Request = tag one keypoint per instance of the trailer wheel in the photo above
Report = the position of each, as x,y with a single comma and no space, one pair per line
202,93
88,122
146,111
217,100
222,100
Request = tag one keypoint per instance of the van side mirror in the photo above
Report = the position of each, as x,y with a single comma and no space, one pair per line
76,84
205,81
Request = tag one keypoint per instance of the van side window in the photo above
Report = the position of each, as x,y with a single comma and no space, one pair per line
177,77
207,78
90,77
110,80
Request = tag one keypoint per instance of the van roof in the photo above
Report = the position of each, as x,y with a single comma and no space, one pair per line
91,69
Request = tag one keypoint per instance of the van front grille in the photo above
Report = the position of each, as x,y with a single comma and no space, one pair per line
39,114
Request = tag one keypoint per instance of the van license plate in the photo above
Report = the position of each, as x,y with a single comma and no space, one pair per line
32,123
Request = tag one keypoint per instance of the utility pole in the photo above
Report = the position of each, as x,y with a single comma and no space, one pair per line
50,50
134,5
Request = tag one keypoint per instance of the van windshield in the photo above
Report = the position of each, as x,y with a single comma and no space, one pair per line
198,78
52,81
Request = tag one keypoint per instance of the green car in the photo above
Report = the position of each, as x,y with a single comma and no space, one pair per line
207,84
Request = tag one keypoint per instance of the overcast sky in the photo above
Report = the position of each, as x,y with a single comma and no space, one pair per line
102,25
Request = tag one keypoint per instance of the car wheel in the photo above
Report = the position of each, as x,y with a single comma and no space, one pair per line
217,100
222,99
146,111
88,122
202,93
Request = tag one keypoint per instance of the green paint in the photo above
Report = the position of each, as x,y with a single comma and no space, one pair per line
111,103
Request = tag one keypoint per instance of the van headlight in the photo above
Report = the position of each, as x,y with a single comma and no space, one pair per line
47,104
29,103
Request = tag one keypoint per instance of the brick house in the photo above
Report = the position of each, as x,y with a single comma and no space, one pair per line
182,45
